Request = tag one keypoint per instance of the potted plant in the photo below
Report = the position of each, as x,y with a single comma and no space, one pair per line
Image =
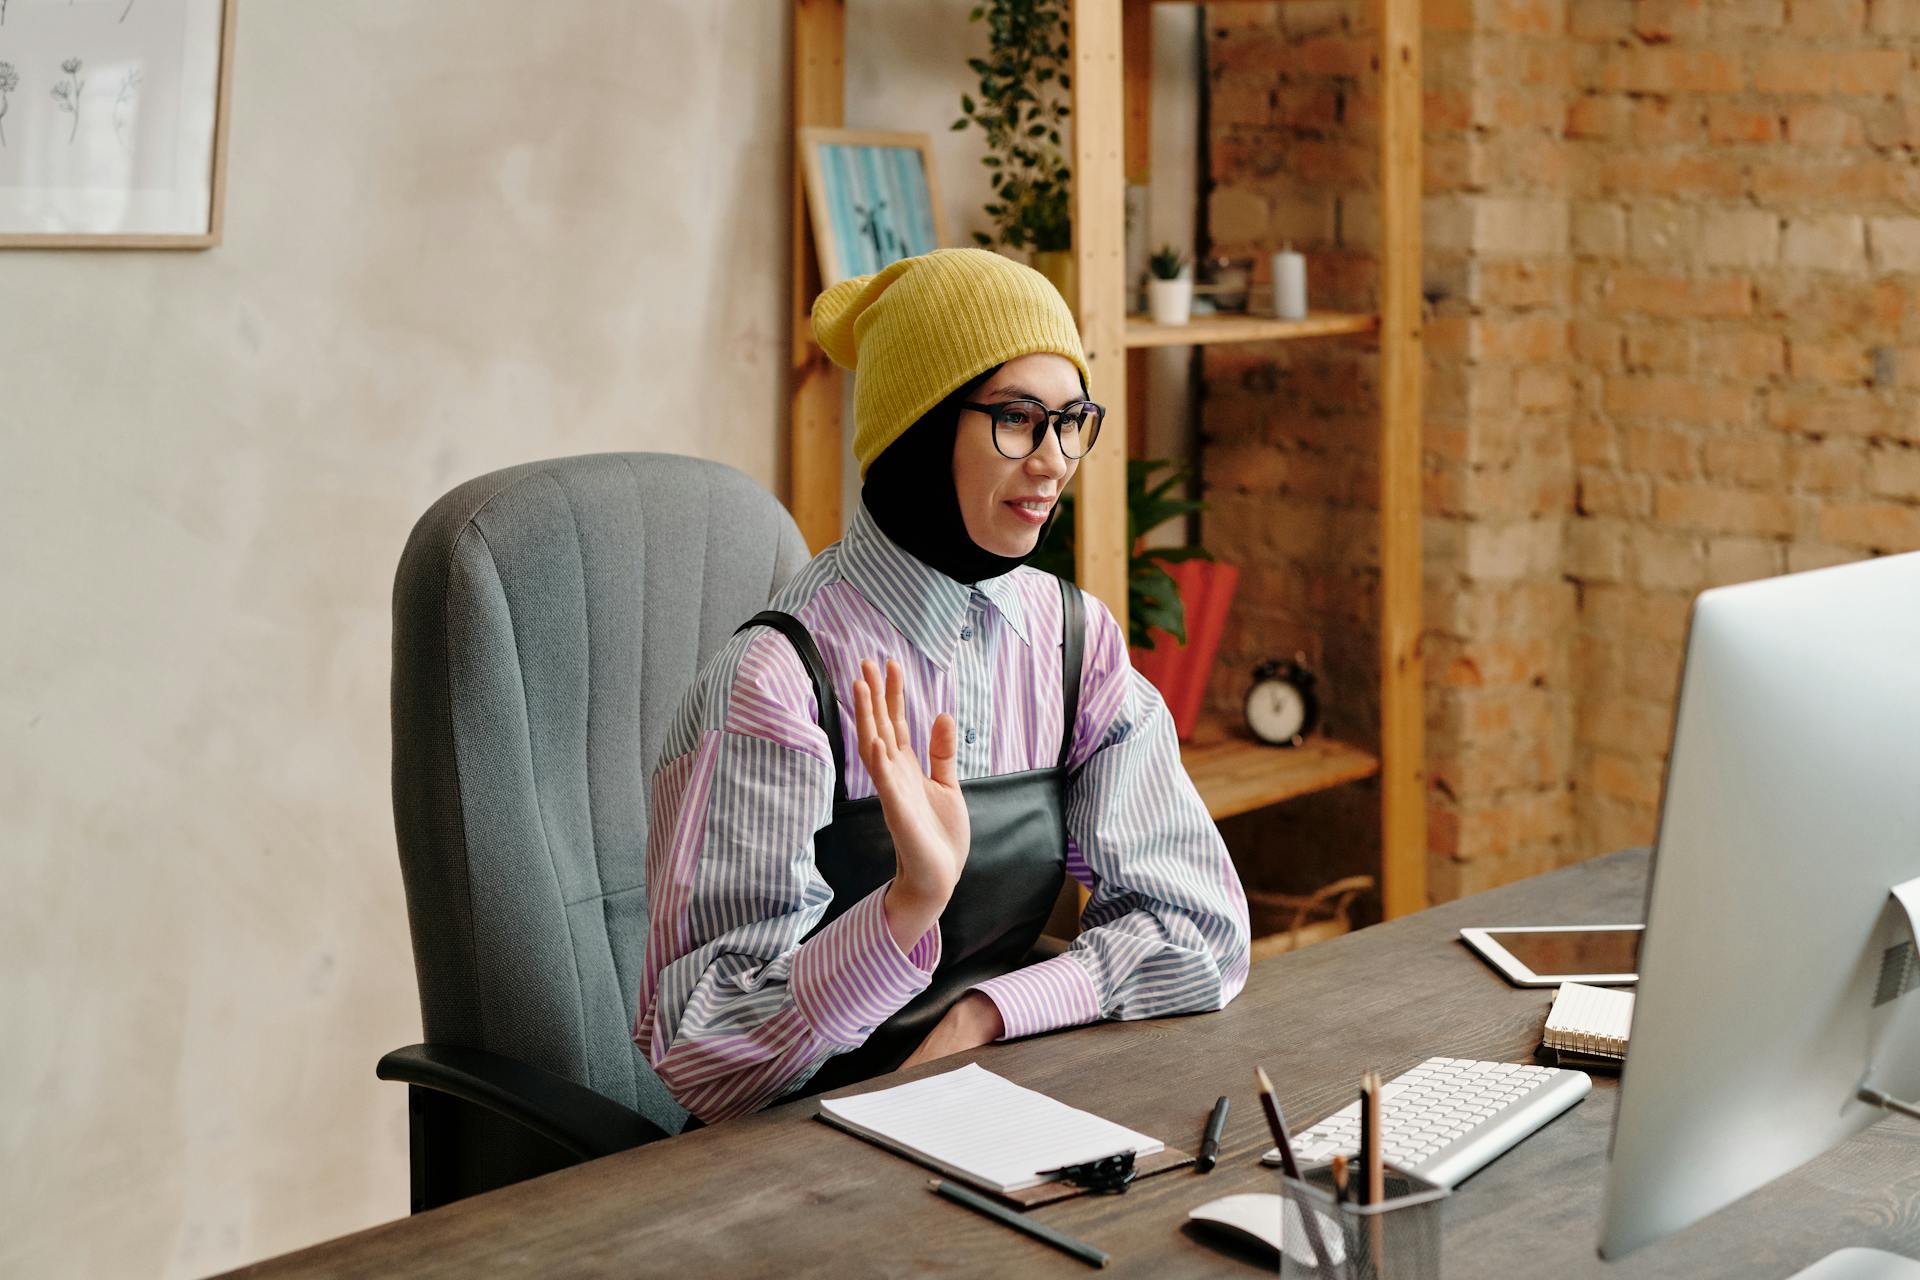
1177,597
1023,99
1170,291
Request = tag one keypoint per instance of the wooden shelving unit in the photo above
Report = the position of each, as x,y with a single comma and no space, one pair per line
1142,332
1235,775
1113,78
1112,84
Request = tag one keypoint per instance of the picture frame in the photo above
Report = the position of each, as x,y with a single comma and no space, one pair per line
872,199
113,123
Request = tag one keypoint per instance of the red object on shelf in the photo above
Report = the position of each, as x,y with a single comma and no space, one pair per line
1180,671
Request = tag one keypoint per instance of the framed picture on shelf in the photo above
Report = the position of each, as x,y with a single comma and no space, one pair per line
113,122
871,198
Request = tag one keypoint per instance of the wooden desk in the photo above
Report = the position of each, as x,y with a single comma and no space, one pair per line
782,1194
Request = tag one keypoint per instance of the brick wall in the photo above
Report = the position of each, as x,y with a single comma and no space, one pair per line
1674,262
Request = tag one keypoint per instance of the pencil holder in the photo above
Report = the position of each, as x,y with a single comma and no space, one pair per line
1396,1239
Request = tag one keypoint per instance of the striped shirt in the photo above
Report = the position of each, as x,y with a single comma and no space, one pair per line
734,1010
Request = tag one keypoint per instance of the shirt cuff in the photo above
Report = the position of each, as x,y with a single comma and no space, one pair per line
852,976
1042,997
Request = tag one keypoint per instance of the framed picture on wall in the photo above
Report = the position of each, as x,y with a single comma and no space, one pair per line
871,198
113,122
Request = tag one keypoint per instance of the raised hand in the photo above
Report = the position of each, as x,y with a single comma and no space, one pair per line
925,812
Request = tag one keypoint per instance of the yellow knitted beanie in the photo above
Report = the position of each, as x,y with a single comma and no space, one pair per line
921,327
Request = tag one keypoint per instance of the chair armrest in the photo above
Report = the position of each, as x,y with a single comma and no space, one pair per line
572,1116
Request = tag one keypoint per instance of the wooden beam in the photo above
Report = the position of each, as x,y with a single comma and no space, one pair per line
1403,789
1099,247
1136,55
815,384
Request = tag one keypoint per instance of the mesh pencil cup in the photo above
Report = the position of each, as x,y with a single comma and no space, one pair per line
1397,1239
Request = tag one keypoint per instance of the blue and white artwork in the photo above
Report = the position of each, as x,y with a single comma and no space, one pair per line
878,205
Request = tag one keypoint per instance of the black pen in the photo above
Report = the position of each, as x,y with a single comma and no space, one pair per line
1210,1145
1039,1231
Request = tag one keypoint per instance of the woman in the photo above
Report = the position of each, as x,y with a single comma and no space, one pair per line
843,884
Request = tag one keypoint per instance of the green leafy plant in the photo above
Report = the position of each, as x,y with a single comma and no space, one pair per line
1152,598
1023,100
1167,263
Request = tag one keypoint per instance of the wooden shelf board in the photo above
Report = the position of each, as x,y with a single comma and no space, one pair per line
1142,332
1235,774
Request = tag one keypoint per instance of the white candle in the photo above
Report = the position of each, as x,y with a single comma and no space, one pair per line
1290,285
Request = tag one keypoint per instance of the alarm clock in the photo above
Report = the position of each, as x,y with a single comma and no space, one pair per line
1281,707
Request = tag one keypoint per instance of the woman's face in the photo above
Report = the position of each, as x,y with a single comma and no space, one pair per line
1005,502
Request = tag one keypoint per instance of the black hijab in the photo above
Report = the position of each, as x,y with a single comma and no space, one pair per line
910,492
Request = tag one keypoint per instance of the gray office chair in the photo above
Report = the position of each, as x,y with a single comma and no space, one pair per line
547,620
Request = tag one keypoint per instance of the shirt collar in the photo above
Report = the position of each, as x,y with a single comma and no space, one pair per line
923,604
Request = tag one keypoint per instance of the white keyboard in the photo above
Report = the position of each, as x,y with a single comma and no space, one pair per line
1448,1117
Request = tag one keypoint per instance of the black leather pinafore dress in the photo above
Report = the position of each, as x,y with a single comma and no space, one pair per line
1015,865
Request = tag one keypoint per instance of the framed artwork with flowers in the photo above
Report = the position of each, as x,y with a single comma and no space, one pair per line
871,199
113,122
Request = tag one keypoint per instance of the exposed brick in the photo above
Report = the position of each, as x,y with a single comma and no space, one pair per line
1870,71
1745,353
1823,124
1736,121
1606,493
1521,282
1660,69
1895,473
1711,509
1740,16
1805,181
1829,242
1687,400
1667,561
1664,232
1685,175
1826,19
1841,360
1739,237
1665,20
1599,230
1895,243
1599,344
1756,462
1662,451
1675,296
1599,19
1623,779
1599,115
1877,526
1834,413
1526,337
1658,349
1802,556
1731,560
1828,467
1791,70
1894,18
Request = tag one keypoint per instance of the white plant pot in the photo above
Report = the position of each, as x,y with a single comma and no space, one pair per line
1170,301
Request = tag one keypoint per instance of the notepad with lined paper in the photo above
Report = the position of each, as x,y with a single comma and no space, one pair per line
976,1127
1590,1020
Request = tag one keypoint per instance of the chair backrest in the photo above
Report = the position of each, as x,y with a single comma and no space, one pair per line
547,620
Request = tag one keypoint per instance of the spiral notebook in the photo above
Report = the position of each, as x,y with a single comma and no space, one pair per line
1590,1021
979,1128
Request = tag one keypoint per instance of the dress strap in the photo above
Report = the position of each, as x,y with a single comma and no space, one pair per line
794,630
1073,631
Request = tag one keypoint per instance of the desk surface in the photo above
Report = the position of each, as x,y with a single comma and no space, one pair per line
782,1194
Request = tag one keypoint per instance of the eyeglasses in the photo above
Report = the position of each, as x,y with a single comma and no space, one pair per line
1107,1176
1020,425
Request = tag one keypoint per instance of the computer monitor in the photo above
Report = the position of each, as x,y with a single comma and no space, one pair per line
1777,972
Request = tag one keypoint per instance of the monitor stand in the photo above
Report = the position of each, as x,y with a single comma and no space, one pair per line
1876,1264
1861,1264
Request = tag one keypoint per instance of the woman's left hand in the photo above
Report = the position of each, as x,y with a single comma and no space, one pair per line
968,1025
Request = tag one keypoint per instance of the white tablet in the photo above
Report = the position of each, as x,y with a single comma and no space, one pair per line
1548,955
